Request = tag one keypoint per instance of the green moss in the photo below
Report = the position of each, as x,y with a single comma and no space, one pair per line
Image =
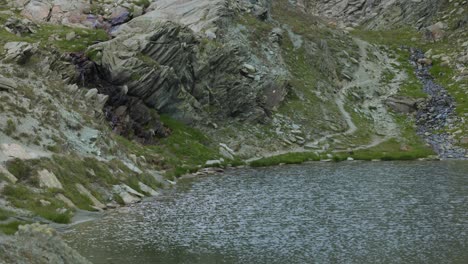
10,228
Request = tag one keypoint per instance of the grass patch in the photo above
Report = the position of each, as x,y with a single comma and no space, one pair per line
289,158
22,197
83,37
184,150
389,150
10,228
21,169
5,214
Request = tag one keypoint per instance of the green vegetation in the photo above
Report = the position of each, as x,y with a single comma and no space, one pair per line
10,228
10,127
5,214
22,197
21,169
49,35
313,65
143,3
289,158
70,170
184,151
444,76
389,150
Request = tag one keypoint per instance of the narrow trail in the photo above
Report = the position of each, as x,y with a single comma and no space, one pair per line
362,78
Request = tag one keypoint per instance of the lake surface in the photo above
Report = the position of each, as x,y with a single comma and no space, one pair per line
350,212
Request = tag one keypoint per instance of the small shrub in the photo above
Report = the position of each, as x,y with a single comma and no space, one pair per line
20,169
10,127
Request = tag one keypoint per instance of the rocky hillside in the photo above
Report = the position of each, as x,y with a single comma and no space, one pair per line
104,102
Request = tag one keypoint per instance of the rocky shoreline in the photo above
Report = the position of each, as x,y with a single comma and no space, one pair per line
437,113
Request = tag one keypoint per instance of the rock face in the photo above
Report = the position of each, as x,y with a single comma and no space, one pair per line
375,13
37,244
169,69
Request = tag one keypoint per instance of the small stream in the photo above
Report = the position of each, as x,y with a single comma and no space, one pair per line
350,212
437,114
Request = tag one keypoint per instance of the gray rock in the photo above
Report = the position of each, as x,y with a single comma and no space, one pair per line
7,85
37,244
213,162
127,197
19,52
82,190
402,104
67,201
48,180
145,188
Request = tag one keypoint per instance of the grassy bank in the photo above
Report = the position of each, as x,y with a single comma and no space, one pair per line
387,151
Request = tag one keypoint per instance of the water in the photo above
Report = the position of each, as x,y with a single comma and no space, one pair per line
354,212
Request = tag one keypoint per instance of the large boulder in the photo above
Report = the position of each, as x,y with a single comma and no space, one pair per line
402,104
19,52
37,10
37,244
48,180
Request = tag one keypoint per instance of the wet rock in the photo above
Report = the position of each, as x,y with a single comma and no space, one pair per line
119,16
436,113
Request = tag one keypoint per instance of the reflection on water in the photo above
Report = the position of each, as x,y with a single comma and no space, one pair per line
357,212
